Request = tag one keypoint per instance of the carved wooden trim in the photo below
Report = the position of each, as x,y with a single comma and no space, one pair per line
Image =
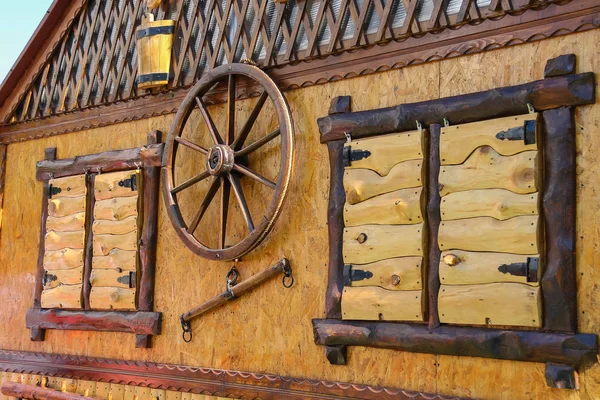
555,20
211,382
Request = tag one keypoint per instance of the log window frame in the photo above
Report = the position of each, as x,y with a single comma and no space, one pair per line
143,322
554,97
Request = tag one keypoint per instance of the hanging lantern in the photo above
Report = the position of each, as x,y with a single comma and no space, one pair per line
154,42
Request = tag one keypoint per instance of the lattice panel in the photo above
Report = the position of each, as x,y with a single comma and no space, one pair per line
95,62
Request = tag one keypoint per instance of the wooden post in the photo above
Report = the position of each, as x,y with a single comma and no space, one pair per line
2,173
432,267
89,239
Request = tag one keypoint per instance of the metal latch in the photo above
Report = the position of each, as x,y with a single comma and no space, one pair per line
53,191
128,279
131,182
350,155
525,133
47,278
527,269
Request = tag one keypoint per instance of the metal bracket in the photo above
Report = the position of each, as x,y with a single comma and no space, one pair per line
528,269
128,279
129,183
53,191
526,133
47,278
419,127
352,275
530,108
350,155
446,123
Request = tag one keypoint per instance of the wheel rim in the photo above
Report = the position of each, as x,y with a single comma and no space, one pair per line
223,163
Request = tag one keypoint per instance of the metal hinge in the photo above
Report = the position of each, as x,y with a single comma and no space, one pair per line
53,190
129,183
527,269
128,279
47,278
525,133
352,275
350,155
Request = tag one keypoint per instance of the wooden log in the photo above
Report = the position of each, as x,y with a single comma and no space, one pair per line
545,94
578,350
381,153
110,278
373,303
500,204
60,240
62,296
138,322
70,186
112,298
340,104
558,281
73,276
63,259
103,244
122,227
23,391
110,161
516,235
63,206
116,209
468,267
2,174
399,207
486,169
87,262
508,304
457,142
362,184
115,184
561,65
73,222
403,273
116,259
336,355
431,268
381,242
561,376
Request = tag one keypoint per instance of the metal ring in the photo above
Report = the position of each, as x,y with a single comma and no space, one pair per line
291,281
187,339
232,276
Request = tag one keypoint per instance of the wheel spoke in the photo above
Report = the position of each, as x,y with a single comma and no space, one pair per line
225,190
230,110
258,144
214,186
241,139
239,194
214,133
190,182
191,145
251,174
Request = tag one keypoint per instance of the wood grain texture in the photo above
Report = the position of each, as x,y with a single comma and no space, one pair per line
104,244
73,222
387,150
399,207
63,259
62,296
482,267
402,273
516,235
71,186
457,142
486,169
383,241
112,298
116,209
60,240
116,259
507,304
106,186
500,204
73,276
121,227
362,184
108,278
378,304
431,271
63,206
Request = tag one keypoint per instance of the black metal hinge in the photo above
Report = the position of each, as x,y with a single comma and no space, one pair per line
527,269
350,155
128,279
352,275
131,182
47,278
526,133
53,191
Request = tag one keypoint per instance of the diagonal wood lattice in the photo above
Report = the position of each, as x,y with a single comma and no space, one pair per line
95,61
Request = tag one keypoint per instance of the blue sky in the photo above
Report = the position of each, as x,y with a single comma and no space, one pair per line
18,21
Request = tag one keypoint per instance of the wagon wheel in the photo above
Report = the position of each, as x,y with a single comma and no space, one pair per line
227,163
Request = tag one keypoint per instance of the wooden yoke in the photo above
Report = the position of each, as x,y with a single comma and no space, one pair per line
236,290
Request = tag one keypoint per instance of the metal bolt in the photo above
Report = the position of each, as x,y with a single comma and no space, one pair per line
395,280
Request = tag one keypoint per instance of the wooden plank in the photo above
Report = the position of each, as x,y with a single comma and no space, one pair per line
63,259
113,298
62,296
73,222
116,259
362,184
457,142
103,244
62,206
399,207
482,267
402,273
116,209
70,186
61,240
381,153
108,278
107,185
73,276
382,242
105,227
486,169
508,304
500,204
516,235
377,304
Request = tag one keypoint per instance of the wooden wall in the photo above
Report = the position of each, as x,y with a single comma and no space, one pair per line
270,330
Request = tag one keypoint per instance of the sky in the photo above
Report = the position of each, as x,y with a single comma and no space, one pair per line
18,21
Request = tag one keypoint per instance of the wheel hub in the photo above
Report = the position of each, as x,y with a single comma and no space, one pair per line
220,159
